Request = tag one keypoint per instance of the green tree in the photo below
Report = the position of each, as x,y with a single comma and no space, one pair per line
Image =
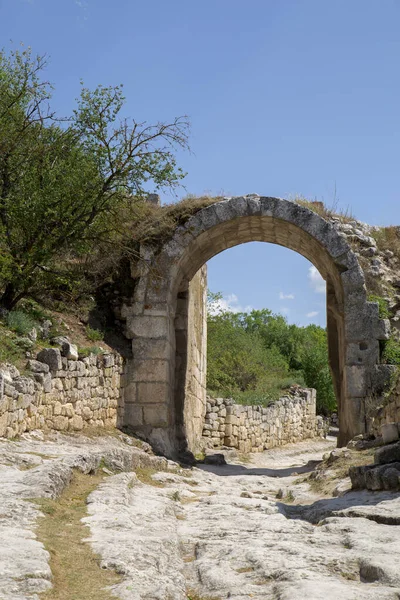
255,355
64,183
316,370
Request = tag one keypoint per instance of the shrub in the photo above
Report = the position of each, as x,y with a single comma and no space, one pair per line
20,322
94,335
84,352
384,312
391,352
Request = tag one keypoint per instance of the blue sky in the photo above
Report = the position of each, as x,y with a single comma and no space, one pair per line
284,97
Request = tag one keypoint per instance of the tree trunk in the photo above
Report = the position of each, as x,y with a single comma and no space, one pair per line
9,298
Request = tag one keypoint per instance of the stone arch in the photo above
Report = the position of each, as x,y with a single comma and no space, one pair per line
157,320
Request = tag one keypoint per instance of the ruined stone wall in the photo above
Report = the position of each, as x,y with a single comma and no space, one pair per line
256,428
60,394
388,412
195,385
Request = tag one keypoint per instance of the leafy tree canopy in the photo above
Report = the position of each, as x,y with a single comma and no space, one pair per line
254,356
68,184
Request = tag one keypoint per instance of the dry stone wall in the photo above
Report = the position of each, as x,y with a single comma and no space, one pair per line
388,412
61,393
257,428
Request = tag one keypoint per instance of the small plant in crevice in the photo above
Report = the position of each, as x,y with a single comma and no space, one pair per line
383,306
391,351
94,335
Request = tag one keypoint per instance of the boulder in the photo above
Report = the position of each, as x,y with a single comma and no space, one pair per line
214,459
51,357
68,350
388,454
37,367
390,433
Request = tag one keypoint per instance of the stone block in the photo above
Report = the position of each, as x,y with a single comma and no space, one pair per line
390,433
76,423
156,415
149,370
152,393
37,367
356,381
147,327
388,454
51,357
60,423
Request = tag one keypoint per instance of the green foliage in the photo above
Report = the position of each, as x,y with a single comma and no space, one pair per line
315,368
70,188
238,360
94,335
253,357
84,352
384,312
20,322
391,352
10,350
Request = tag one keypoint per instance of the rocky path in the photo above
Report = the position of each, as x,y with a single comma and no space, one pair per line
209,533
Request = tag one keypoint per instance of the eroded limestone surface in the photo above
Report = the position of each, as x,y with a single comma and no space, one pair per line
250,530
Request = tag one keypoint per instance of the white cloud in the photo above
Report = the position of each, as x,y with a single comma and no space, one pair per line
284,310
283,296
313,313
316,281
229,303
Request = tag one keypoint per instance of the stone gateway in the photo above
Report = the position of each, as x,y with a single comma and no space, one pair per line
165,395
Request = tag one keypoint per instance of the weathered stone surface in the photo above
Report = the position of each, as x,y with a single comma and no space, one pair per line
354,326
24,563
37,367
388,454
256,428
390,433
51,357
82,395
232,539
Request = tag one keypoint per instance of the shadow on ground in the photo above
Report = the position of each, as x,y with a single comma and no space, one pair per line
375,506
239,470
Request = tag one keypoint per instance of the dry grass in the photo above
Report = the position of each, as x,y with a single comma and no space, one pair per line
193,595
388,238
326,477
245,570
145,475
323,211
158,223
76,570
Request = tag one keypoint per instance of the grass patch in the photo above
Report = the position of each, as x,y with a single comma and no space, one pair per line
326,477
158,223
145,475
323,211
388,238
85,352
289,497
193,595
94,335
384,312
20,322
10,350
76,570
243,458
245,570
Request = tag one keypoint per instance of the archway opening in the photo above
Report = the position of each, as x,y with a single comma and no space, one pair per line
281,327
161,300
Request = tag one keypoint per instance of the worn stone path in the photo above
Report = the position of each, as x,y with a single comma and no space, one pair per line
209,533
